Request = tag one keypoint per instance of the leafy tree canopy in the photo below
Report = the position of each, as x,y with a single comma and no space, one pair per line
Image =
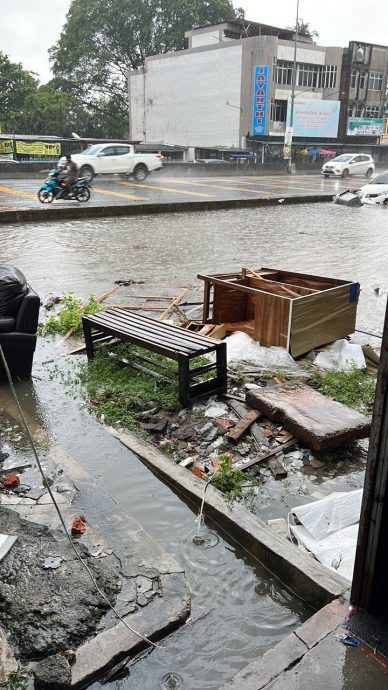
15,85
100,42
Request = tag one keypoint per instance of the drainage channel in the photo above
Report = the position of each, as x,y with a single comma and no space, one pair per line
239,610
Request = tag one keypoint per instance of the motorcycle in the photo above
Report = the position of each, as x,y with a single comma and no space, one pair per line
52,189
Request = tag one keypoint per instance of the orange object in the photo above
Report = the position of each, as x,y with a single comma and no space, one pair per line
78,525
11,481
198,472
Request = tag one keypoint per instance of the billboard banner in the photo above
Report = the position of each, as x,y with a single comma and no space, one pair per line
314,118
260,100
6,146
38,148
365,127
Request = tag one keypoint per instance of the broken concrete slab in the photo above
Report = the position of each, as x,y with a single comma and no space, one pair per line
319,422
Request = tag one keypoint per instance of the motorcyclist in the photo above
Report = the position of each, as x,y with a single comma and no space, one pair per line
72,174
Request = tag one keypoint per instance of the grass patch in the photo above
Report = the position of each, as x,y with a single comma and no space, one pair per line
354,388
115,392
69,315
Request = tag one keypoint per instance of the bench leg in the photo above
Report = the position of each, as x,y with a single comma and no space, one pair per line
184,381
88,340
222,367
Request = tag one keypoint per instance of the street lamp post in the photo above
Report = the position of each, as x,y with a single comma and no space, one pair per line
289,133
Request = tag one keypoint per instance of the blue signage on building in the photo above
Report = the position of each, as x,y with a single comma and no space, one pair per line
260,100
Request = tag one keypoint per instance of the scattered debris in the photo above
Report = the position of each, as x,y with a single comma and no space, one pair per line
78,525
341,355
10,480
349,641
128,282
6,543
52,562
241,428
52,673
16,468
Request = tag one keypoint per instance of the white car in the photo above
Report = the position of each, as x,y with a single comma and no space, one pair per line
349,164
105,159
376,191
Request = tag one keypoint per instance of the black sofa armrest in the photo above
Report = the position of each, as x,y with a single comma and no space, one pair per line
28,314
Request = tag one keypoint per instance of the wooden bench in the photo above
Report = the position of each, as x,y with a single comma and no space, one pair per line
164,339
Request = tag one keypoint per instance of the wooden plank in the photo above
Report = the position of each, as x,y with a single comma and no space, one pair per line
271,286
241,428
268,455
175,301
151,325
229,304
306,277
277,469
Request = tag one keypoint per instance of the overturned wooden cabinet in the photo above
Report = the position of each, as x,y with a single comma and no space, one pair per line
293,310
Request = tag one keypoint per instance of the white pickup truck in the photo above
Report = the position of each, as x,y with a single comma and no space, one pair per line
106,159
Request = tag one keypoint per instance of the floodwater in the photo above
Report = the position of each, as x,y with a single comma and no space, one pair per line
324,239
245,610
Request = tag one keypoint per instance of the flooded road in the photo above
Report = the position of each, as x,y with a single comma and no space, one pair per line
88,256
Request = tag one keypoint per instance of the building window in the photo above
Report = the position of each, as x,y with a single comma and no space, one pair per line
375,82
372,111
351,110
307,75
328,77
360,111
353,79
278,110
361,83
282,72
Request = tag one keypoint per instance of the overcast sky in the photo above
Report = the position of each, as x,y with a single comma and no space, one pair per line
29,27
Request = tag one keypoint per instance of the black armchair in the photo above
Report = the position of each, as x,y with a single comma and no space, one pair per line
18,337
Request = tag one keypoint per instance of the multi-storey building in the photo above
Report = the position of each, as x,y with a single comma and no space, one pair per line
233,84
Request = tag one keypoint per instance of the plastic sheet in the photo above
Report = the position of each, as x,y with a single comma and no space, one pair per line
242,348
13,287
341,355
328,528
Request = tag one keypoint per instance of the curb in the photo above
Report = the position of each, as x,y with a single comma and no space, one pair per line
305,577
29,215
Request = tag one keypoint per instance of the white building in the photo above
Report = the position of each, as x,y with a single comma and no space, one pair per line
205,96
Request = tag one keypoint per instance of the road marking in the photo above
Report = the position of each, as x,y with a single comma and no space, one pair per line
164,189
121,195
26,195
217,186
284,185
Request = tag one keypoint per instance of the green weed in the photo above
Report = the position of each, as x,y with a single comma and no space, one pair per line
354,388
17,681
234,483
69,315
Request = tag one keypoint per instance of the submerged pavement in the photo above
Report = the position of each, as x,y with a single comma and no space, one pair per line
18,197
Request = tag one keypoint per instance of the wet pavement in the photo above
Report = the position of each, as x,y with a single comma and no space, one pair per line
108,191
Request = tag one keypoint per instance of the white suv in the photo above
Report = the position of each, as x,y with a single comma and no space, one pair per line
349,164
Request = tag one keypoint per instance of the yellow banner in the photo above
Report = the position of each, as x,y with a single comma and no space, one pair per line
6,146
38,148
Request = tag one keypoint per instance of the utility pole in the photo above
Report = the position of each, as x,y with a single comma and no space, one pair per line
129,107
290,128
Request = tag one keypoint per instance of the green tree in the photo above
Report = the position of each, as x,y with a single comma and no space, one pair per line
304,29
16,84
100,42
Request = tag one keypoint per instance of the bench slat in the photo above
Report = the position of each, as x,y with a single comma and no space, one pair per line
136,318
169,341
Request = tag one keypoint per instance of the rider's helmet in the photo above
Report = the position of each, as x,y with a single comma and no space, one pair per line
62,163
